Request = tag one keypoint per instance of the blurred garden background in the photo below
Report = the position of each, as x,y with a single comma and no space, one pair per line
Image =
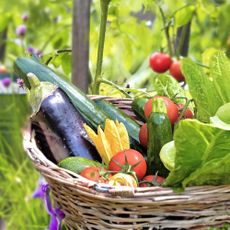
47,29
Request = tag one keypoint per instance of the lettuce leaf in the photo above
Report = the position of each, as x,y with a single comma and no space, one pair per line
199,147
214,172
209,89
202,90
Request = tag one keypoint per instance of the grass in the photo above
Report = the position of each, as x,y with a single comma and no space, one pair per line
18,178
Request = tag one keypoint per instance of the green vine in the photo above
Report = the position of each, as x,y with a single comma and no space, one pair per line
104,14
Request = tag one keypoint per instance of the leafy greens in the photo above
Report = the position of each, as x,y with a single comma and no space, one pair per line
202,151
210,89
203,148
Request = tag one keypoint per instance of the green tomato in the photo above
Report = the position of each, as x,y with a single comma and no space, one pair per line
167,155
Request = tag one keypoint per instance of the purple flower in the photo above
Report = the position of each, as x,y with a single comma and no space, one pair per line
56,215
21,30
30,50
20,82
6,82
38,52
25,17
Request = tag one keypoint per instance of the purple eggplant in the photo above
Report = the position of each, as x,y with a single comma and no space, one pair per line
52,108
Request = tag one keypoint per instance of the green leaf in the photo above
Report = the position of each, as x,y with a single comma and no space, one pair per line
214,172
4,21
220,74
184,15
210,90
197,146
202,89
66,63
167,86
207,55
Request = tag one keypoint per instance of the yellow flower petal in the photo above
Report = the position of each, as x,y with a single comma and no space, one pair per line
91,133
103,146
113,136
124,137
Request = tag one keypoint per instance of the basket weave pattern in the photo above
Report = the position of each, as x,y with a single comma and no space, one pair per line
88,205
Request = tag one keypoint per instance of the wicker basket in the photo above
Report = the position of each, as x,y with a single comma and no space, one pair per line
88,205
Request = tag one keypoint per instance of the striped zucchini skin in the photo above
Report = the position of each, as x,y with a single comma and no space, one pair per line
86,107
138,105
159,133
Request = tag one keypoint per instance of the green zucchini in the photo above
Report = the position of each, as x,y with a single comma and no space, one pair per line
86,107
159,133
138,105
77,164
114,113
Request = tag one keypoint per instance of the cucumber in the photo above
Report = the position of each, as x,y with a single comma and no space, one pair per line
159,133
86,107
138,105
114,113
77,164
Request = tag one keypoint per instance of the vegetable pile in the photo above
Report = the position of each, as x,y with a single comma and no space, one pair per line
184,139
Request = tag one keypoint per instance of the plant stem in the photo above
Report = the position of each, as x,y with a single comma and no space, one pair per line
166,29
57,53
182,40
104,14
101,80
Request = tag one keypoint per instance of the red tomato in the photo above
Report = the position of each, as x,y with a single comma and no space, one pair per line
133,157
93,173
143,135
175,71
151,179
172,110
160,62
3,69
188,113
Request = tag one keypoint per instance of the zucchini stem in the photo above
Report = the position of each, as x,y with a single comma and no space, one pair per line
104,14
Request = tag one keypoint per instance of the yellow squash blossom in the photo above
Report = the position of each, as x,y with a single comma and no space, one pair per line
122,179
114,139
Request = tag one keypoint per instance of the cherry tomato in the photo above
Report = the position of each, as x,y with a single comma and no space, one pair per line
160,62
152,180
188,113
133,157
143,135
172,110
93,173
175,71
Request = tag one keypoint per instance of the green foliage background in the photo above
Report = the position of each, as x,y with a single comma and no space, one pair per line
129,43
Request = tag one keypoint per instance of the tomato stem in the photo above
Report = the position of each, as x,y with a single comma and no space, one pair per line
184,108
104,14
